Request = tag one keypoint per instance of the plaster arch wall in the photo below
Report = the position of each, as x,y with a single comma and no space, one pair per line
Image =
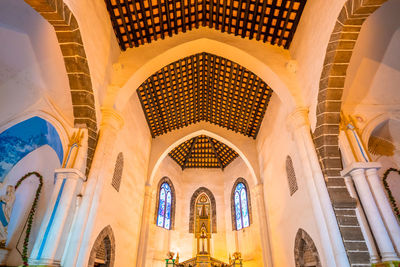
265,60
244,146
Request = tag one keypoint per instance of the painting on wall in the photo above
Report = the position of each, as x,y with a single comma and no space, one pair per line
21,139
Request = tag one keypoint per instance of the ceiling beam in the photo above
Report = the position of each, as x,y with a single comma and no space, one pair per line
189,153
215,153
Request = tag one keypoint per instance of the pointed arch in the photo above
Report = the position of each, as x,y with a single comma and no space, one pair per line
173,202
103,248
66,27
305,252
238,181
193,199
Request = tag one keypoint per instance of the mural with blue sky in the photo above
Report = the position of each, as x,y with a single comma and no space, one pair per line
21,139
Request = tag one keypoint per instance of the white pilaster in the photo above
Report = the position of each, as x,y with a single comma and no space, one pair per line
332,244
50,243
262,215
357,172
384,207
144,229
77,252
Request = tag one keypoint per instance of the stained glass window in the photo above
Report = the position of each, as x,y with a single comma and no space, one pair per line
164,206
241,207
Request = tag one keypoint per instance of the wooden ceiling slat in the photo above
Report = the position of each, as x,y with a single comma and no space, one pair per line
243,18
286,21
204,87
203,152
252,108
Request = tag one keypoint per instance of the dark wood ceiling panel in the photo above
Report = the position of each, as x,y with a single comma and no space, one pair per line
139,22
204,87
203,152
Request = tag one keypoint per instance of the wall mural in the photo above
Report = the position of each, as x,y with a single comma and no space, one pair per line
21,139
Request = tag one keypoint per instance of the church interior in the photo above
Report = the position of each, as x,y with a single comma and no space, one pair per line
200,133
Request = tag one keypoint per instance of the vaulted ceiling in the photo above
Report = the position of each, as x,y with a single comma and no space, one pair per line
204,87
203,152
138,22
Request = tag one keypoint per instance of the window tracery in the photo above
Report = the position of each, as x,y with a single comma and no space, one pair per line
241,205
165,206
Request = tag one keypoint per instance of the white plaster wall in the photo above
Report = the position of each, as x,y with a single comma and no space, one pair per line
43,160
309,45
373,76
286,214
123,210
249,239
161,241
31,63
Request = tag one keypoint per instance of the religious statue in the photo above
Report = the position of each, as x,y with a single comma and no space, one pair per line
6,204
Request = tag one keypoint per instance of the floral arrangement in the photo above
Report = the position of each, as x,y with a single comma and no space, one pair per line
31,213
389,192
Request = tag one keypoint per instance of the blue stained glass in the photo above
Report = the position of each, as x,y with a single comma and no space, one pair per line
245,213
241,207
161,208
164,207
168,212
238,212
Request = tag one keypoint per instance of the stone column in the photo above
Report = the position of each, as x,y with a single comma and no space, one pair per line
144,229
333,247
371,210
50,243
78,249
263,220
384,207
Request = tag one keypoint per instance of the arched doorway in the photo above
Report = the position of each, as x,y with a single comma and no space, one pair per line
103,250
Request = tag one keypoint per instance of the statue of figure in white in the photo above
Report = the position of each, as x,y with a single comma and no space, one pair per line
6,204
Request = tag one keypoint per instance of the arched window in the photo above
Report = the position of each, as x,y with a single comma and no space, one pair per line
193,200
241,208
165,204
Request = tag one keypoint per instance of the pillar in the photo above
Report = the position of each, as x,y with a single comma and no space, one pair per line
50,243
78,249
331,240
384,207
264,231
357,172
144,229
373,252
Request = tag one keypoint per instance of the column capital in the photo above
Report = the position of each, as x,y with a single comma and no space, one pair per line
298,118
69,173
360,166
111,118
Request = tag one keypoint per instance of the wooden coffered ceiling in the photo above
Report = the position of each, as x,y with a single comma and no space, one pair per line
204,87
139,22
203,152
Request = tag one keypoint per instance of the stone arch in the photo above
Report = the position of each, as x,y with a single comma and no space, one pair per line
69,38
285,84
240,180
305,252
105,240
243,145
326,135
165,179
337,59
193,199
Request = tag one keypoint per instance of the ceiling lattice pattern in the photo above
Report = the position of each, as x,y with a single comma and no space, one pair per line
204,87
203,152
139,22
